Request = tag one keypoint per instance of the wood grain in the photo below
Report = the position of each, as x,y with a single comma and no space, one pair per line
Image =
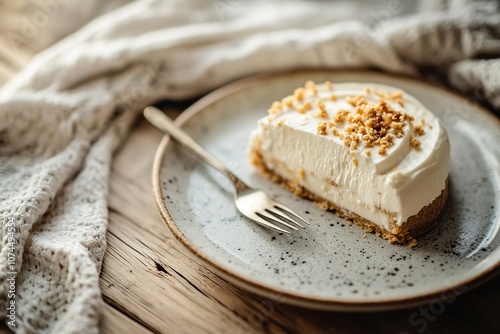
112,321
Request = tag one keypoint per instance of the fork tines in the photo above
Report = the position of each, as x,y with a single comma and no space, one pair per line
281,215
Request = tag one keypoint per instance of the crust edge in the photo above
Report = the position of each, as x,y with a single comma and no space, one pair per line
416,225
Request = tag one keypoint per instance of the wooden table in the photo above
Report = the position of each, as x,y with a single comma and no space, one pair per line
151,284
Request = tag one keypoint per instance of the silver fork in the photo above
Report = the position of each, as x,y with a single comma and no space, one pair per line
251,203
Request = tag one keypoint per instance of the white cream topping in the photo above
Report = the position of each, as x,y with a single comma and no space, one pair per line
378,187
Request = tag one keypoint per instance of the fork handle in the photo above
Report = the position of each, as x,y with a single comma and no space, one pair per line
165,124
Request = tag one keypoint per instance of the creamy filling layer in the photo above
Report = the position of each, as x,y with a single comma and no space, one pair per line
383,188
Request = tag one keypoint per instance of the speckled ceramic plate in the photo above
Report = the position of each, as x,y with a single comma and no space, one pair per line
331,264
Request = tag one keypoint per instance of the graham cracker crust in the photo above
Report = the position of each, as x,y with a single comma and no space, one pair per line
405,234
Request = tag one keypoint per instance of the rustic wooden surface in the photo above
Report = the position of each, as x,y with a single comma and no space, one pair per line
151,284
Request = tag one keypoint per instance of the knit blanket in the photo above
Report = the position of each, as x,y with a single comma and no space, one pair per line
64,114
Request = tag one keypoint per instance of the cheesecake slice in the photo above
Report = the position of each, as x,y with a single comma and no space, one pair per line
371,153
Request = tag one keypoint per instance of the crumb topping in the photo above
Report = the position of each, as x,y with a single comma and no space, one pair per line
419,130
334,129
288,101
321,109
372,124
341,116
276,107
396,96
356,101
322,128
304,108
311,86
299,94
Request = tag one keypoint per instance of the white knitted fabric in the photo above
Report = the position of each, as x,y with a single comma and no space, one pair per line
64,114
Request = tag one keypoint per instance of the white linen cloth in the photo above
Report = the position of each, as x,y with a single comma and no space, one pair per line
64,114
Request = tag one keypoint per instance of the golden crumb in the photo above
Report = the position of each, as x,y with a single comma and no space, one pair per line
419,130
356,101
396,96
277,105
301,174
333,97
367,90
322,110
397,126
322,113
415,143
288,101
375,124
307,106
273,110
351,141
304,108
340,116
335,131
299,94
322,128
355,162
328,85
281,122
310,85
368,152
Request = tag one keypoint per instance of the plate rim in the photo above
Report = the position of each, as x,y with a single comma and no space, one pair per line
289,297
